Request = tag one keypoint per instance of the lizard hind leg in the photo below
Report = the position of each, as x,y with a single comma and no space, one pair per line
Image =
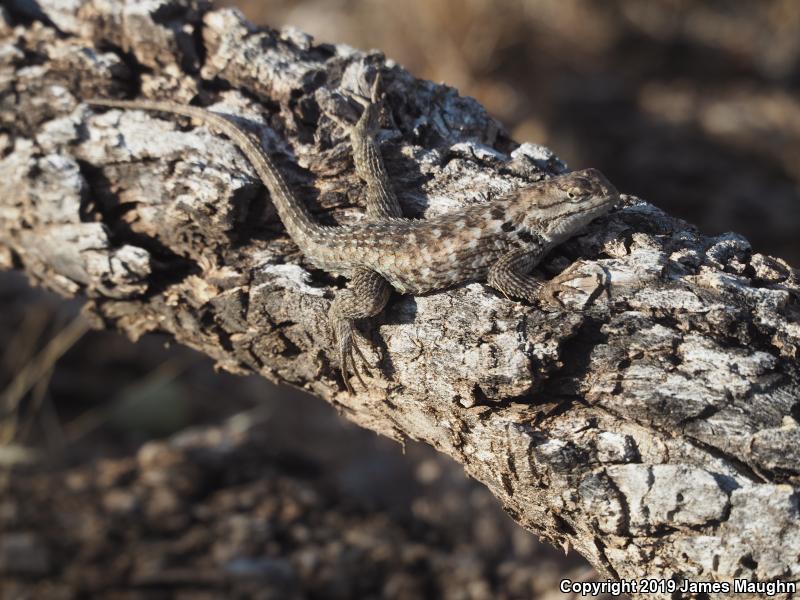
365,297
382,202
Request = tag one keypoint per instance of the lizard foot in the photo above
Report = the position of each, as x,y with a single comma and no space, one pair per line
348,348
591,286
365,297
370,105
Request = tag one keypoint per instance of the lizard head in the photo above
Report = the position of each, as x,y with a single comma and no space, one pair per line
560,207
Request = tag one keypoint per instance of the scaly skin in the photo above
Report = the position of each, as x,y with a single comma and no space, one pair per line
499,242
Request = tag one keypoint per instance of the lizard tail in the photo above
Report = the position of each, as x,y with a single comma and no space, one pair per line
293,213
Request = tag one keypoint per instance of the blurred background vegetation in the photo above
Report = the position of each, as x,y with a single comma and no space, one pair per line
690,104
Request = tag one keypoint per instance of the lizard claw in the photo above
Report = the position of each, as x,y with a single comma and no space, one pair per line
364,361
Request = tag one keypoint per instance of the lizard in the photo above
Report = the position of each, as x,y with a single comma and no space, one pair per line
498,242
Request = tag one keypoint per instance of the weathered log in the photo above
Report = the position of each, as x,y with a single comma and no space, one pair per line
653,427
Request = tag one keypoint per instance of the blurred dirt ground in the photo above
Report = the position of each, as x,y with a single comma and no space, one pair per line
690,104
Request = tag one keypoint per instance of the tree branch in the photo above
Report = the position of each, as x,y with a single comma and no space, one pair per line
653,427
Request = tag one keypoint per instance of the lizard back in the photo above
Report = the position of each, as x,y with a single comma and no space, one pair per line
447,249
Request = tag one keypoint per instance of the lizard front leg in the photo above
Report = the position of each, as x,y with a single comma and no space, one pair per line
510,275
365,297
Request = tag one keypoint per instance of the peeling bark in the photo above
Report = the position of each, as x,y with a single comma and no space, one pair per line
653,427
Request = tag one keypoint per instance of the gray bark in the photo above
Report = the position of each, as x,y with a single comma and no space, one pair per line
653,427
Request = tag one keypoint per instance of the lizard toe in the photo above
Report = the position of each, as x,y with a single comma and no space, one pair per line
348,349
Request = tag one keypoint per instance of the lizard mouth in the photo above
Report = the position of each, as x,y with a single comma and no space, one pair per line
604,202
